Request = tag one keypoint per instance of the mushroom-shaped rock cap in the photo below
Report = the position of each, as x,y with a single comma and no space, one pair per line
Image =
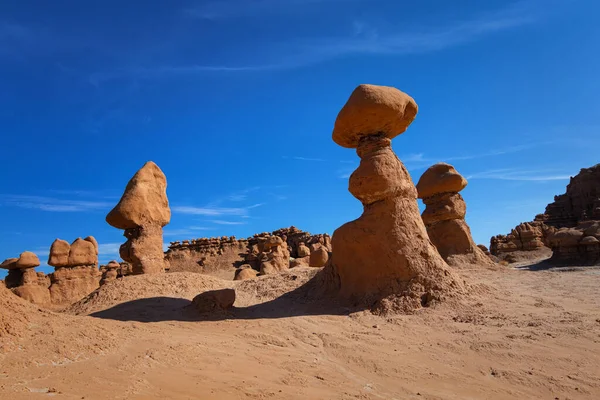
440,178
373,110
144,200
27,259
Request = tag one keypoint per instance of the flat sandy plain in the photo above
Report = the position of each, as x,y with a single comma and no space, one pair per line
529,333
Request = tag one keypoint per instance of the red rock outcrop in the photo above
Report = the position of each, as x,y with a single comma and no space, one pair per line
580,202
384,258
75,270
212,256
576,246
444,216
318,258
142,212
273,255
221,256
110,272
24,281
214,300
245,272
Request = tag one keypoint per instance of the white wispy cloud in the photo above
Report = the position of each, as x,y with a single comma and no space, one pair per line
227,9
361,39
303,158
223,222
190,230
52,204
242,195
214,211
513,174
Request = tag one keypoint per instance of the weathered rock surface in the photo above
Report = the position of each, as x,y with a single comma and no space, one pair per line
24,281
110,272
576,246
75,270
214,300
318,258
273,255
142,212
444,216
384,258
373,110
221,256
245,273
579,203
59,253
527,236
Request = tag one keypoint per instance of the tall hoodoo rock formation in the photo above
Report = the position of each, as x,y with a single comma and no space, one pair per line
24,281
75,269
384,258
142,212
444,215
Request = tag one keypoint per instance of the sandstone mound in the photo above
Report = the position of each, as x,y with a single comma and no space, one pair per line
384,258
444,216
177,285
15,314
142,212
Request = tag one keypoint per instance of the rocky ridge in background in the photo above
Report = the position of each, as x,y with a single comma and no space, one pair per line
225,256
566,228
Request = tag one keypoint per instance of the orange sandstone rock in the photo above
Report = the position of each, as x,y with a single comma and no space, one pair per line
384,258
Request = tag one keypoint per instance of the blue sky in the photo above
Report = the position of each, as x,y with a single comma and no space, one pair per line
235,100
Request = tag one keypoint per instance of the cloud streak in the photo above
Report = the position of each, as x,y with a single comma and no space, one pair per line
222,222
513,174
50,204
214,211
361,39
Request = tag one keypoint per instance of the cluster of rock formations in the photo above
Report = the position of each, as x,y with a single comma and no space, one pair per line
262,253
576,246
142,212
75,273
444,215
384,258
567,221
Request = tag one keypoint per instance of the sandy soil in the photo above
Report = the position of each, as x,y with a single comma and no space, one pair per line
521,334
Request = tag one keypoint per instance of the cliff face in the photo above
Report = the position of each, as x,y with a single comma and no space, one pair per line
581,201
579,204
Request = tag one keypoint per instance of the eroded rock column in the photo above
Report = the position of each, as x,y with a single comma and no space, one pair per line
24,281
444,216
142,212
384,258
76,271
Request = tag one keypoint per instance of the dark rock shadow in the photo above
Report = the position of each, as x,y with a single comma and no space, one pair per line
309,299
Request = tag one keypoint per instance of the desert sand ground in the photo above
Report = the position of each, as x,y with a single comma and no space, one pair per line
525,333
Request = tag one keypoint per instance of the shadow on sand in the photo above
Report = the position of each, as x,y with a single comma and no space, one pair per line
308,299
549,265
